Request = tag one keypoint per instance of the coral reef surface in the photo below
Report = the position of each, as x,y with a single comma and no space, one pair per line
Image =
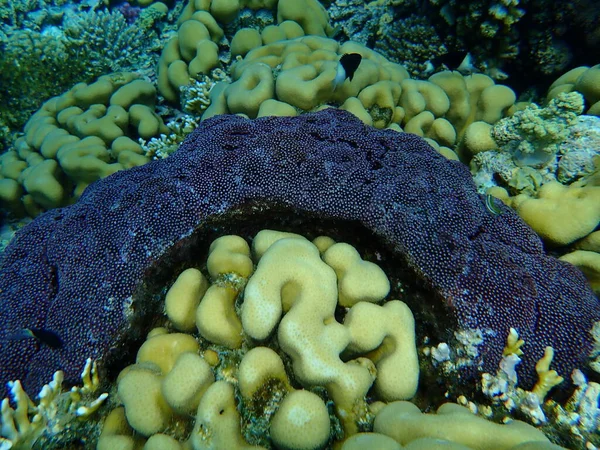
74,270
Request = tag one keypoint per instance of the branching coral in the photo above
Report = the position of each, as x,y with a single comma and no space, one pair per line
107,41
393,28
28,13
412,42
36,65
33,66
532,136
164,145
29,423
195,96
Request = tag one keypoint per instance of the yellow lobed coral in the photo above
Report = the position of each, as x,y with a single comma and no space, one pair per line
560,214
287,76
194,51
288,312
77,138
293,293
453,423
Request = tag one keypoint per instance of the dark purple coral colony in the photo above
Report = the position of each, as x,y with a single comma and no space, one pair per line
73,270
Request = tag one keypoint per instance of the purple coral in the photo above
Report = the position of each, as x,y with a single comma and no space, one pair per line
73,270
130,12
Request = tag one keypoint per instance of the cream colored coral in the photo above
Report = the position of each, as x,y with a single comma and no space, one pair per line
272,107
68,141
22,427
218,421
354,106
386,334
513,344
588,262
292,277
164,349
185,384
435,444
382,99
258,366
157,331
216,318
79,396
169,377
305,68
310,14
477,139
229,255
286,270
418,96
250,90
404,422
323,243
145,408
547,378
358,280
162,442
472,98
183,298
265,238
117,434
361,441
560,214
301,422
17,428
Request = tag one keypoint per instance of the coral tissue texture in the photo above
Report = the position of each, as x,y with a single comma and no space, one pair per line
73,269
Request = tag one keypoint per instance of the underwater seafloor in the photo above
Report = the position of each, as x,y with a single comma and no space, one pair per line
222,228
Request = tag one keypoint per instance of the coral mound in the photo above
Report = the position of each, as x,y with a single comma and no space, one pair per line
74,270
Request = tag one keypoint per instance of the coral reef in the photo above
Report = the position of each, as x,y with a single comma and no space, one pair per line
76,138
291,76
57,418
398,30
90,32
525,38
532,136
194,51
37,63
413,42
535,146
303,385
520,39
289,275
467,269
73,265
586,81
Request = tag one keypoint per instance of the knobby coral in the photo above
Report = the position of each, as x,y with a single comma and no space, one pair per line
74,270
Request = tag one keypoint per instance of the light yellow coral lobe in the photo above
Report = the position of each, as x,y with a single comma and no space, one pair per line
290,297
